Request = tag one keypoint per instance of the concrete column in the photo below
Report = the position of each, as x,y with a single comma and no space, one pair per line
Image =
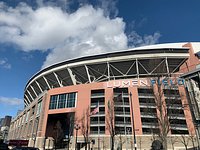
31,142
40,142
49,144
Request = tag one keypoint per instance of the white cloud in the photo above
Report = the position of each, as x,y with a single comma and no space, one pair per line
109,7
86,31
134,39
5,64
11,101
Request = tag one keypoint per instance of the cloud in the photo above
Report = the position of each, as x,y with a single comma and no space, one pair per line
109,7
5,64
135,40
88,30
84,32
11,101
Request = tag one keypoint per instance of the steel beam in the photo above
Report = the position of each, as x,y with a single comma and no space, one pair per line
72,76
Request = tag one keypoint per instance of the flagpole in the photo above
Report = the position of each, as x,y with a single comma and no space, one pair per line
124,118
133,122
98,128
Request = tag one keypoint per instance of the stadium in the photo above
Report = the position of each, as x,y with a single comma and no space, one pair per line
124,99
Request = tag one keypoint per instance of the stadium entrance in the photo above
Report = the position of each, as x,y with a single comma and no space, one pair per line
60,128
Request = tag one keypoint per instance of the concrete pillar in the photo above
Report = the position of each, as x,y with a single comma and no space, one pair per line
40,142
49,144
30,143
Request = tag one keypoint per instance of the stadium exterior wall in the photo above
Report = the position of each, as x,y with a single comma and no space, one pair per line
46,121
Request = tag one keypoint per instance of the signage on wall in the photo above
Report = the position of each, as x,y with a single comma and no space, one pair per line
144,82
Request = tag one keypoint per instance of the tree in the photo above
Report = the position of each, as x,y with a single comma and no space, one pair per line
162,116
173,140
168,106
120,140
110,118
85,126
184,140
70,122
193,139
140,142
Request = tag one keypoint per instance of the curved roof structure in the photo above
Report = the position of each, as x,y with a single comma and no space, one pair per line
147,61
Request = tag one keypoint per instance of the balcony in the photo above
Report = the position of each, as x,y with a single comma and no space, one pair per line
146,95
99,114
150,125
122,104
123,124
97,95
174,106
101,104
126,95
172,96
147,105
177,116
97,123
121,113
148,115
179,126
96,132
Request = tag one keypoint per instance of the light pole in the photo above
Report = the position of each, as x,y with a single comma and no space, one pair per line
135,144
77,127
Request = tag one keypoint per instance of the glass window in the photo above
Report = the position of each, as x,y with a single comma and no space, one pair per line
39,106
33,111
71,100
30,127
53,102
27,115
62,101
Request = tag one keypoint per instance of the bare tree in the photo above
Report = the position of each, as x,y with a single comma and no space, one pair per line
184,140
167,111
70,121
193,140
110,122
85,126
140,142
173,140
162,116
120,139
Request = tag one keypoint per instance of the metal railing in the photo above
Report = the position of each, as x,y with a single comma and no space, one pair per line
150,124
97,103
97,122
122,122
122,104
96,132
175,126
121,113
176,116
148,115
93,95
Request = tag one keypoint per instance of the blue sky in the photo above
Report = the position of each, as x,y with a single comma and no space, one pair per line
36,34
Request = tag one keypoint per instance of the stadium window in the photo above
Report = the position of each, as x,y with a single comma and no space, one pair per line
39,106
27,115
198,55
53,102
24,117
71,100
62,101
33,111
30,127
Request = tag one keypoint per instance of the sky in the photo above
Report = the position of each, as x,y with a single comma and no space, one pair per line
35,34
